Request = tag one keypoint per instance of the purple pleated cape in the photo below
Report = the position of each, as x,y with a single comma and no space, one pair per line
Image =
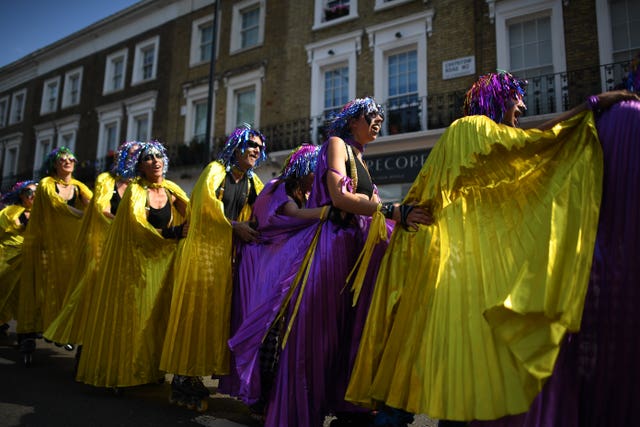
316,361
596,381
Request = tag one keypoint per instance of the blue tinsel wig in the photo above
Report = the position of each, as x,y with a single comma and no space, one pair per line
339,124
301,162
238,141
124,164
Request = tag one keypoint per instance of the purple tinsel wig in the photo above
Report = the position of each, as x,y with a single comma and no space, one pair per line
12,197
238,141
151,147
339,124
124,165
493,94
301,162
49,166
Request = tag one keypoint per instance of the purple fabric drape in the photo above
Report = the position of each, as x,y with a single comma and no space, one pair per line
596,381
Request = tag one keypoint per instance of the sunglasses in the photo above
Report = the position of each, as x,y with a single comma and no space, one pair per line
149,157
253,144
63,159
372,115
28,192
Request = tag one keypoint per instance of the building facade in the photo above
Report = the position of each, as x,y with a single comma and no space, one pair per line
284,67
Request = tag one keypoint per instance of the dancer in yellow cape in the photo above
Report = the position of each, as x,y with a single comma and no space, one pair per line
68,326
49,250
13,221
199,325
130,302
468,314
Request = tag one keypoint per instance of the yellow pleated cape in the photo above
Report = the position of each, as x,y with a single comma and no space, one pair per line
11,239
468,314
130,302
68,326
49,255
199,324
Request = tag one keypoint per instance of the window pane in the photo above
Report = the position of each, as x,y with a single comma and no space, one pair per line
147,63
334,9
250,26
142,124
206,38
403,102
336,88
246,107
200,121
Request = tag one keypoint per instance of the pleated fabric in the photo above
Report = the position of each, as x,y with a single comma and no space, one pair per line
199,322
69,325
315,362
265,272
596,381
11,239
130,303
49,254
469,313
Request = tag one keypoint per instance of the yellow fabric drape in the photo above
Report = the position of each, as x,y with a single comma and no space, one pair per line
199,324
68,326
468,314
11,239
130,302
48,255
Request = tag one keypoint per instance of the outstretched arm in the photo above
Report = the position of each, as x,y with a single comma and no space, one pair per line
602,101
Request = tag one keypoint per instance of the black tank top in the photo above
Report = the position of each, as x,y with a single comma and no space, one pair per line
365,186
115,200
159,218
72,201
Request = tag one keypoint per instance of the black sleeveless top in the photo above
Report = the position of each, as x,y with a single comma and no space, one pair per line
72,201
236,195
365,185
159,218
115,200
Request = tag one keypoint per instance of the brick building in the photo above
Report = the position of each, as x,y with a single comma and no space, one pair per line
143,73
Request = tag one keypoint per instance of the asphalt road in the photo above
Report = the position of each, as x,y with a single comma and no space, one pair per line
46,394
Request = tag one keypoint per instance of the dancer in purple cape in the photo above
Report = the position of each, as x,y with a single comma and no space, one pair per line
321,328
596,381
268,266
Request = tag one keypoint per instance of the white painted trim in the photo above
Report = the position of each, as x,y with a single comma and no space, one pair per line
4,113
44,102
137,73
109,68
194,95
9,170
382,5
194,55
108,114
44,132
237,83
68,126
318,16
144,104
235,42
66,90
13,112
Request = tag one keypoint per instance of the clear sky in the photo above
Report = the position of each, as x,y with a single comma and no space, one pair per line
28,25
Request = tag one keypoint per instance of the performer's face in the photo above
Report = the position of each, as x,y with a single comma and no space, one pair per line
514,112
152,165
65,164
27,195
366,127
251,154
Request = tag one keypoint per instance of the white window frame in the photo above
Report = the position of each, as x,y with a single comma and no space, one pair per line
109,71
325,55
108,115
194,95
11,142
144,104
44,105
16,116
408,33
68,126
67,100
318,16
44,132
4,112
196,26
383,5
236,84
235,44
137,76
509,10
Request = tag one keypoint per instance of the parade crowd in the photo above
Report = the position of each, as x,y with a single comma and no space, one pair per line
500,292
